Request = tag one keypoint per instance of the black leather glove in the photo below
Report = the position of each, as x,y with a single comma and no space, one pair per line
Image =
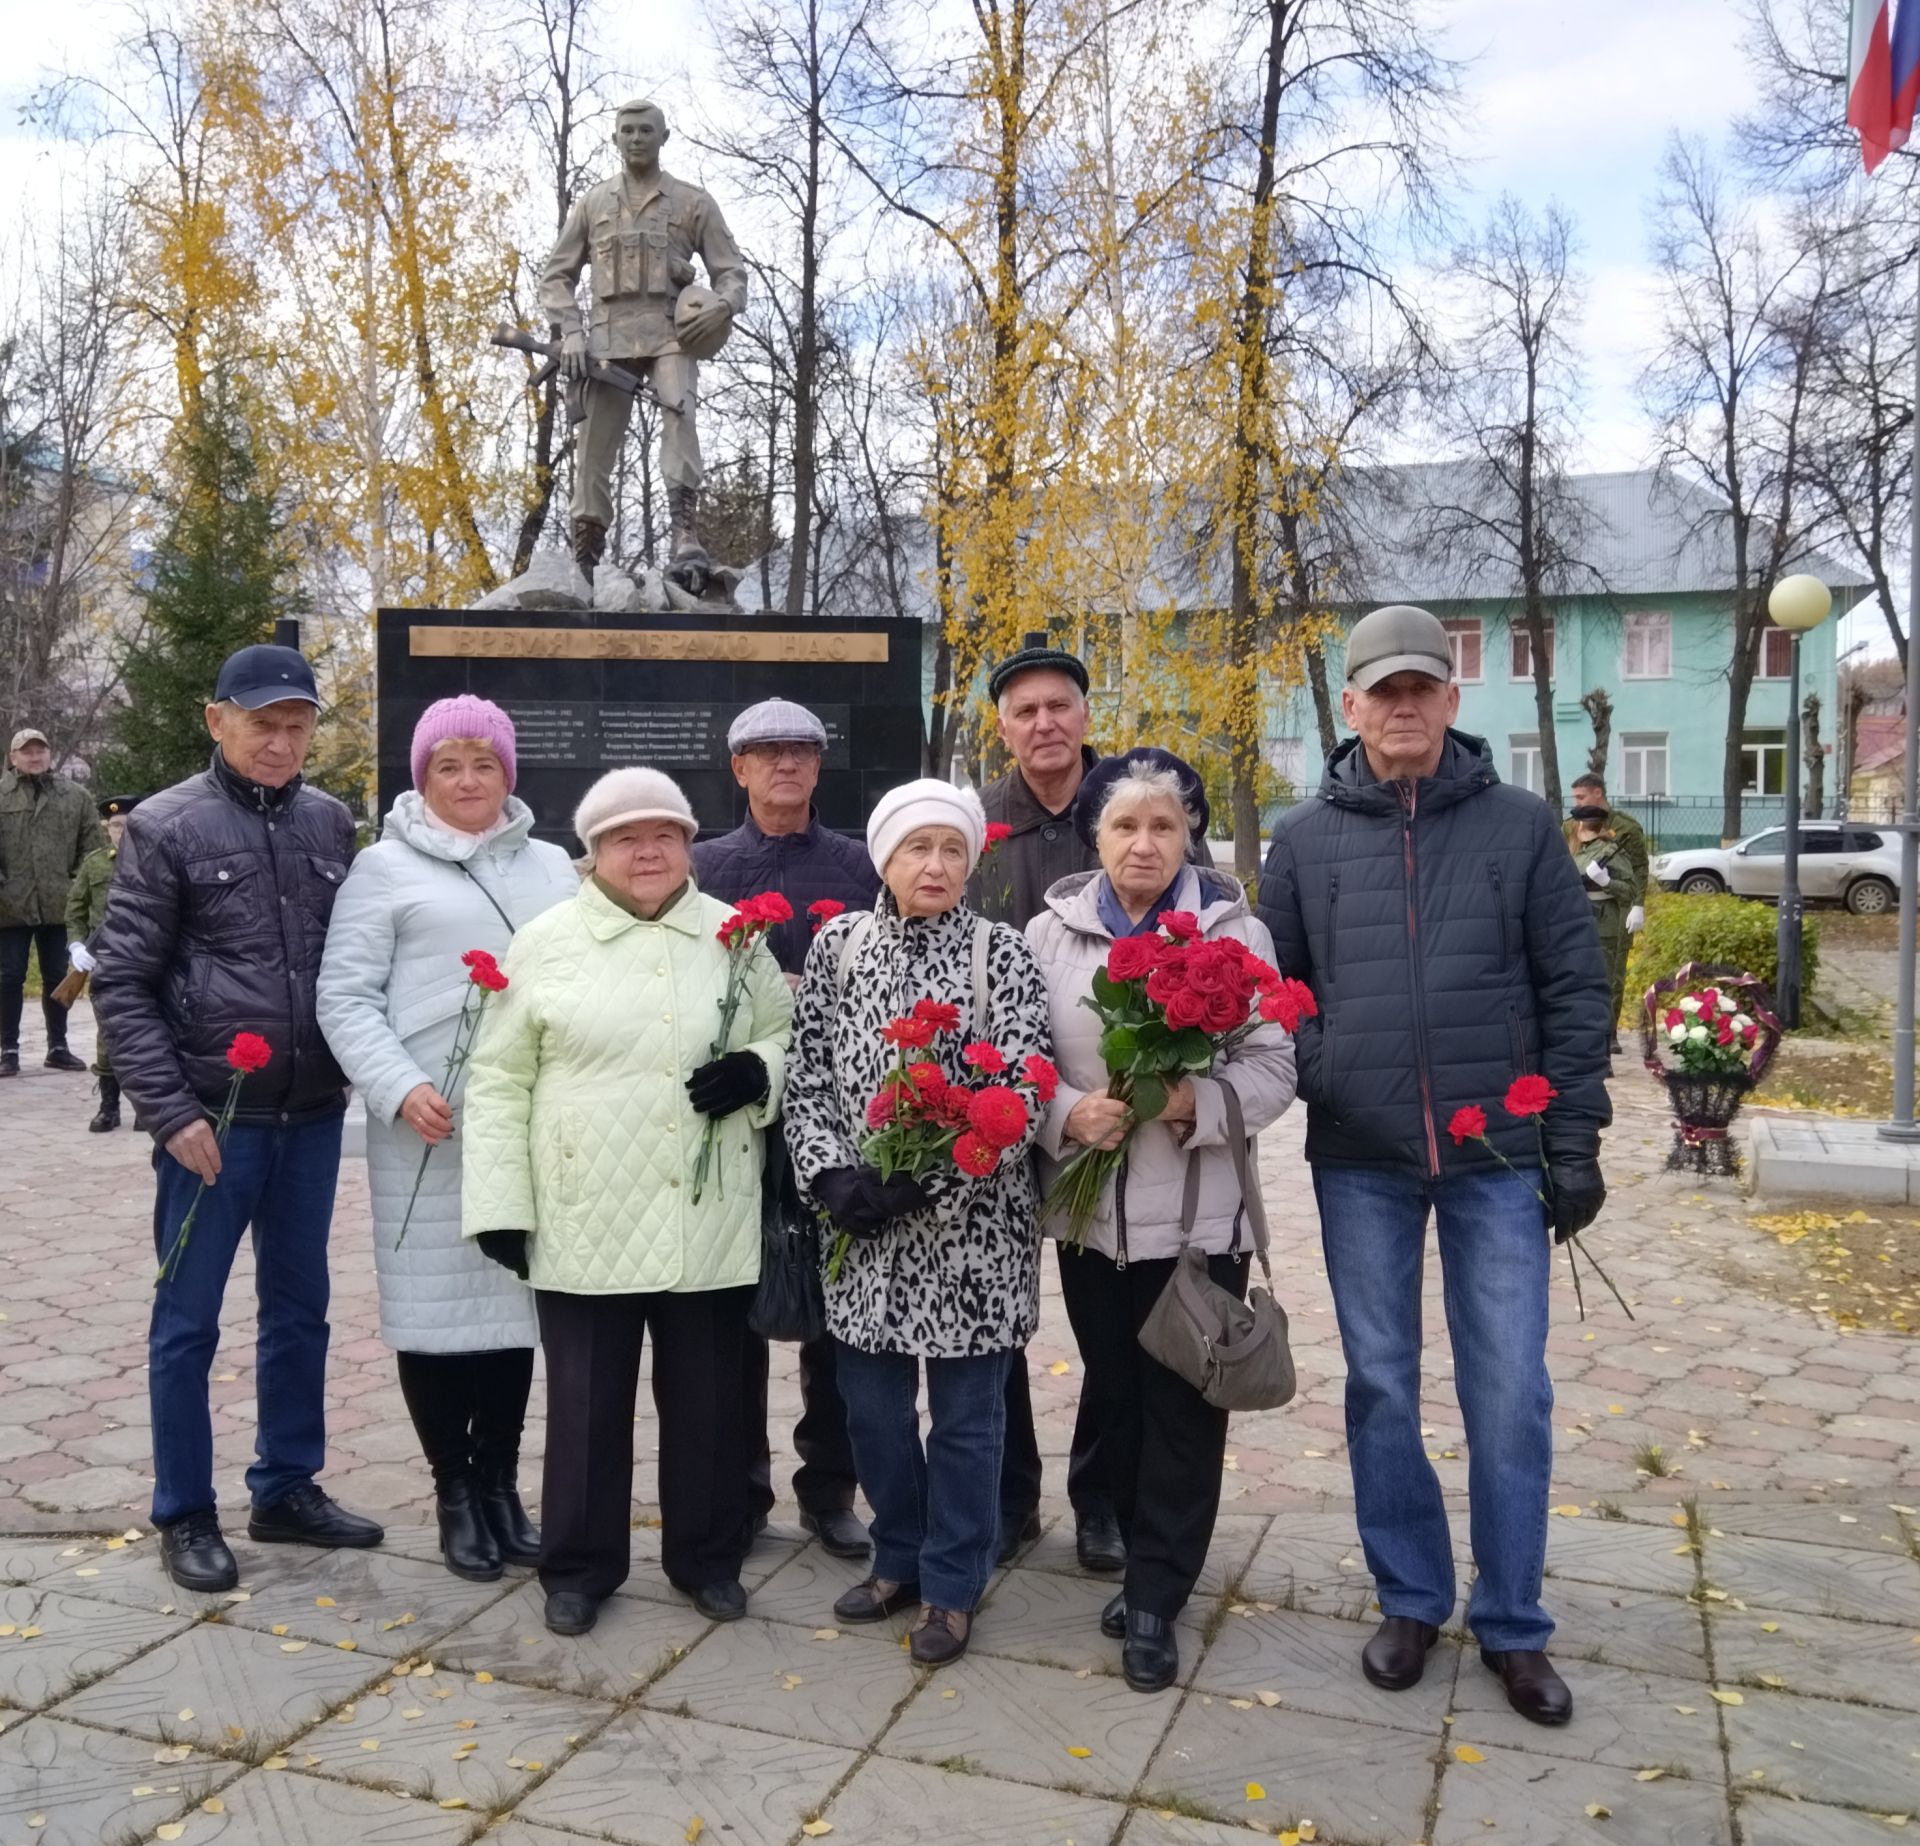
861,1203
507,1248
1578,1191
736,1081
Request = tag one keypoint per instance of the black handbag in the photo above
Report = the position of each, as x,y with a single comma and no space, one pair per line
788,1303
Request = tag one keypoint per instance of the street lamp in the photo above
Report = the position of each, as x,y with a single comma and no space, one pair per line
1797,604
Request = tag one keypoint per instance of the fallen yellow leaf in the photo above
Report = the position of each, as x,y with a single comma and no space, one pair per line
185,1714
1059,1368
213,1805
293,1647
1772,1680
1466,1753
413,1711
369,1743
950,1693
1268,1699
817,1829
695,1827
1769,1627
274,1762
826,1634
348,1647
278,1628
1726,1698
1078,1749
1597,1810
1255,1792
1566,1512
1649,1775
170,1830
483,1679
325,1602
142,1791
454,1801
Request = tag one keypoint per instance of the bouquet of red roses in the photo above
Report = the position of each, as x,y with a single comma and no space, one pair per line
1169,1005
738,935
921,1118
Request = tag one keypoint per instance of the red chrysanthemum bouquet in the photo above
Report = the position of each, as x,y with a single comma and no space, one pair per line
920,1118
483,978
739,935
1528,1097
1169,1005
248,1053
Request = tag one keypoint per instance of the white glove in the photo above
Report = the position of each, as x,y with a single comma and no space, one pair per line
1636,920
77,954
1597,874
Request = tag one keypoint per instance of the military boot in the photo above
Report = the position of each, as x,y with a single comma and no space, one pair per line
108,1116
687,564
589,544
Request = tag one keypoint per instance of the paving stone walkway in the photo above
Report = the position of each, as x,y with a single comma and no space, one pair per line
1734,1557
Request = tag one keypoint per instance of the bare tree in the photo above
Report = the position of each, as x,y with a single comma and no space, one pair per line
1743,316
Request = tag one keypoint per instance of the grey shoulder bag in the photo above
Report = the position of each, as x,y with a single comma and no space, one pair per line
1234,1353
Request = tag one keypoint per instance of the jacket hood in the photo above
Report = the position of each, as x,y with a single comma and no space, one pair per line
1466,768
1210,894
409,822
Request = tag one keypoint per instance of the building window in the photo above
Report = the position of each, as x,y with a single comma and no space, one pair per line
1776,653
1643,765
1522,651
1463,637
1649,649
1525,762
1763,763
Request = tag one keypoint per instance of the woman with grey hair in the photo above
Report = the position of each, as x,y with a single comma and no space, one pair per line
1162,1443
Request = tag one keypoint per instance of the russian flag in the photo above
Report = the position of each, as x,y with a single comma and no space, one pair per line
1870,80
1906,69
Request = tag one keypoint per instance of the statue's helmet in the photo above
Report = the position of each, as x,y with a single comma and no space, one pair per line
695,301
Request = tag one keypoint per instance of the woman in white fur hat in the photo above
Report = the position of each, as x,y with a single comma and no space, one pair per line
587,1099
942,1271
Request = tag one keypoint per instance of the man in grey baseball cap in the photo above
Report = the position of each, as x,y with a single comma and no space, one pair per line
778,748
1440,920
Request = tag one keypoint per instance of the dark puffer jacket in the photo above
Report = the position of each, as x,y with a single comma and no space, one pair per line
802,867
1451,949
215,922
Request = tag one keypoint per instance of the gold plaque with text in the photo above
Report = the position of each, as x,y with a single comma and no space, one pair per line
819,646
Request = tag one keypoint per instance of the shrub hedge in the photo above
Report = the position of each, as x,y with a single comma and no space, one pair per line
1732,930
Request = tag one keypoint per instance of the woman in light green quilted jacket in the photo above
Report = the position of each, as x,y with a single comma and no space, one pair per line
590,1092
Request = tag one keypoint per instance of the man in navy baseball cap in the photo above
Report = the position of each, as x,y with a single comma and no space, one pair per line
264,675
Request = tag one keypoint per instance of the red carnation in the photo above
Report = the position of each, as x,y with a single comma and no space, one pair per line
1186,1008
1180,925
929,1080
998,1115
908,1034
975,1156
1132,958
478,958
250,1052
938,1014
983,1056
1287,1002
768,907
1042,1075
734,929
948,1107
997,831
1529,1096
823,910
1468,1124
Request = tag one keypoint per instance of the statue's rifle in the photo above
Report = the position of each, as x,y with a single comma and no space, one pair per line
601,371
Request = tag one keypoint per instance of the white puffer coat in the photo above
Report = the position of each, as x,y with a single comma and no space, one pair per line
1140,1210
390,993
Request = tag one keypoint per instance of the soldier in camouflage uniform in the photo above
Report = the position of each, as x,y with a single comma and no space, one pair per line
86,911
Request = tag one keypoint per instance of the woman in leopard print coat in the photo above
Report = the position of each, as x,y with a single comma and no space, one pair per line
943,1269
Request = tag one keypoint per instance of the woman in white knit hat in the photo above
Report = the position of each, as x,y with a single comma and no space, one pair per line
587,1100
944,1270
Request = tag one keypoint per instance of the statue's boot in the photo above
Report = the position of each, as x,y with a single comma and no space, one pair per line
589,545
687,563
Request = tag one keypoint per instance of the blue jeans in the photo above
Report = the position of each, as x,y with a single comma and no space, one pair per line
1495,1253
280,1181
936,1510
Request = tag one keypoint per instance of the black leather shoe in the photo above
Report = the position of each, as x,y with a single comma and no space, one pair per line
1016,1530
107,1116
571,1612
515,1536
1148,1657
9,1063
1113,1618
1397,1655
720,1602
465,1540
196,1557
1534,1689
60,1058
875,1600
841,1535
308,1517
1098,1543
939,1636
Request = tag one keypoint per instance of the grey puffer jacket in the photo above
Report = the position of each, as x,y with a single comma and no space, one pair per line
221,896
1450,948
1139,1214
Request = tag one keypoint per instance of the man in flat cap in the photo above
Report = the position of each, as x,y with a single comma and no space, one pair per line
1439,918
86,911
47,828
777,749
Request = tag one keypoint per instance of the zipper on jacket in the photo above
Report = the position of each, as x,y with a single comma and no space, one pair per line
1411,808
1120,1212
1500,906
1333,926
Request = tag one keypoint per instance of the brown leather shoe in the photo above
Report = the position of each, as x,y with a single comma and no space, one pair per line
875,1599
1397,1655
1534,1689
939,1635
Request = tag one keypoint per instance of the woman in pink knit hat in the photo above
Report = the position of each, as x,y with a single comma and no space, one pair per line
456,868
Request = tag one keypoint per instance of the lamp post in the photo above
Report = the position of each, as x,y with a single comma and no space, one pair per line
1796,604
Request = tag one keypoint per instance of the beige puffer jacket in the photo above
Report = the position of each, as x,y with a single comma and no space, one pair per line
1139,1215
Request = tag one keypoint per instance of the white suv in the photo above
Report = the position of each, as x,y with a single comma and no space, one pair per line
1857,866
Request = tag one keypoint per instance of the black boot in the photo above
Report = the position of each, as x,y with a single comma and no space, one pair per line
515,1536
108,1115
466,1542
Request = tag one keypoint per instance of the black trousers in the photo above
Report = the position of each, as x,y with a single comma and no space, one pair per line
17,942
468,1408
825,1479
1161,1442
593,1346
1087,1484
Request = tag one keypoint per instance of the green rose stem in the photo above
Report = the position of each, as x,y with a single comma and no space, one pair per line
464,1035
248,1053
